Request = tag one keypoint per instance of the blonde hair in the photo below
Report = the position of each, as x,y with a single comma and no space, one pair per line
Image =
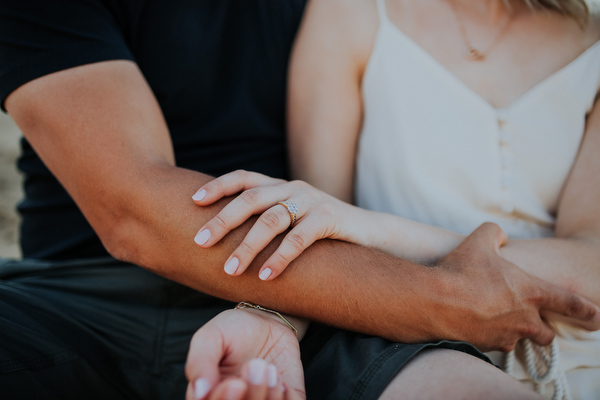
576,9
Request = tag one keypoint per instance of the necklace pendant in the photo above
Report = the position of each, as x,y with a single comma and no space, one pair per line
472,54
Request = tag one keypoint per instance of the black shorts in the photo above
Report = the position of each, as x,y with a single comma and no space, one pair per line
103,329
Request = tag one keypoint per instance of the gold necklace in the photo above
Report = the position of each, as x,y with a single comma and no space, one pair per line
471,52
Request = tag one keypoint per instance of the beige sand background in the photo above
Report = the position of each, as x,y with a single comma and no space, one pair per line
10,187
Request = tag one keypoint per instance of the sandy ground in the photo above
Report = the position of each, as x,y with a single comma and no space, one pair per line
10,188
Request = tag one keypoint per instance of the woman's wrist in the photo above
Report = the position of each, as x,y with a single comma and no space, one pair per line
296,326
357,226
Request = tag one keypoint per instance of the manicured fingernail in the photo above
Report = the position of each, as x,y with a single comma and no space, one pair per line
201,388
199,195
202,237
265,274
232,265
256,371
271,376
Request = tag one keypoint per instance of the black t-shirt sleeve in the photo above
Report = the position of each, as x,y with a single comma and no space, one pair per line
39,37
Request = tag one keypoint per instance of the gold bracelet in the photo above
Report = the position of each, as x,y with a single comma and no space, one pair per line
244,304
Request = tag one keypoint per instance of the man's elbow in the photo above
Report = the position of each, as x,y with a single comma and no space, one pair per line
127,240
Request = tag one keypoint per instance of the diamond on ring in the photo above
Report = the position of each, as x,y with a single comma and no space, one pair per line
292,209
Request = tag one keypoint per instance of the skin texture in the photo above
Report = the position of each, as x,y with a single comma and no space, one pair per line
140,204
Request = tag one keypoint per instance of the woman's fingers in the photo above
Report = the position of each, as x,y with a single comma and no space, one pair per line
274,221
270,224
274,384
295,242
230,389
589,325
234,214
202,365
259,381
230,184
263,381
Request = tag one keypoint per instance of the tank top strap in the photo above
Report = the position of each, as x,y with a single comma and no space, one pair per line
382,11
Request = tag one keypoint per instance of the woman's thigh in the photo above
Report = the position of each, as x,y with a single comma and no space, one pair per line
447,374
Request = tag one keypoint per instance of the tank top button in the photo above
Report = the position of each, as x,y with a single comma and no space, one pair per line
507,208
504,137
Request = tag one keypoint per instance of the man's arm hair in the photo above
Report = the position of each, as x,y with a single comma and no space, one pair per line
101,132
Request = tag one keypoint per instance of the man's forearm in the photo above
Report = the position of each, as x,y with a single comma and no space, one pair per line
332,282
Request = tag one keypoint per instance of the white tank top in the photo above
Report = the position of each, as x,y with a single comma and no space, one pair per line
434,151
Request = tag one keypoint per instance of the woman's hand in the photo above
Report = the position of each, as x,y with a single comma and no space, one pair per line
319,216
244,354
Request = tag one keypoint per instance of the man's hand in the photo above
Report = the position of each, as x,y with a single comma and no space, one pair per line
497,302
244,354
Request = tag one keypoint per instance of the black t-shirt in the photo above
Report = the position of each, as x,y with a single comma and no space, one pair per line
217,67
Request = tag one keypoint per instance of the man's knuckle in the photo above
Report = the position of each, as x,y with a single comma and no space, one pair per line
546,340
529,329
574,305
508,347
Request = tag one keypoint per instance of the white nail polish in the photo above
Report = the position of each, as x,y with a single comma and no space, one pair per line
199,195
232,265
265,274
202,237
256,371
201,388
271,376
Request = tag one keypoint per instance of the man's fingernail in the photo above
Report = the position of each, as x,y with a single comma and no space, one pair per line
256,371
199,195
232,265
271,376
201,388
202,237
265,274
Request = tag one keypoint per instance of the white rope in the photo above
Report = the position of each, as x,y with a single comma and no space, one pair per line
537,360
